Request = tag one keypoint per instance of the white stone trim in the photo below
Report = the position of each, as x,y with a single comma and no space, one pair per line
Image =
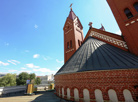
68,31
69,50
69,23
127,24
132,22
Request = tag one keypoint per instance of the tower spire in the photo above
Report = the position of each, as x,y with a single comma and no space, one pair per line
71,14
73,35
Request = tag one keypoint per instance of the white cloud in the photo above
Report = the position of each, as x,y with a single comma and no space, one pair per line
31,65
118,32
23,68
15,62
59,61
36,56
11,71
4,64
36,26
46,70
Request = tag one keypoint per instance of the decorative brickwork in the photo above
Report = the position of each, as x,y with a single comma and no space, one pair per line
117,80
107,37
128,25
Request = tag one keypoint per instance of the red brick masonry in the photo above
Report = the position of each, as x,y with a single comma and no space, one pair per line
117,80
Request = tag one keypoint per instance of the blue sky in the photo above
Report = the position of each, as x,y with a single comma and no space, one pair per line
31,32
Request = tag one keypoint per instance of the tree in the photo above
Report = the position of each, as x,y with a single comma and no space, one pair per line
8,80
21,80
32,76
38,81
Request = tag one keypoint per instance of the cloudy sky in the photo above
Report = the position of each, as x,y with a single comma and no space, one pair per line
31,32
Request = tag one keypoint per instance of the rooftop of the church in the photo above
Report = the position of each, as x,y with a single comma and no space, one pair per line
72,15
98,55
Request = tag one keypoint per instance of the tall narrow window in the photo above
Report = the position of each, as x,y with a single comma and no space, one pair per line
79,42
136,6
128,13
70,43
67,45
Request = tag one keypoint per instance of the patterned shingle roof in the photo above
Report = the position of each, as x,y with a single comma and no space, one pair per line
97,55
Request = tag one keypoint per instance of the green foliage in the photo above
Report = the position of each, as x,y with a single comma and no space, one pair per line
37,81
32,76
8,80
11,80
21,80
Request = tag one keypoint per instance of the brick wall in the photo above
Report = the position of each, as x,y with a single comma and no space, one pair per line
127,26
117,80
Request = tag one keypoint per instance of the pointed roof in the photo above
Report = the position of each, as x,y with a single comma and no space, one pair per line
98,55
72,15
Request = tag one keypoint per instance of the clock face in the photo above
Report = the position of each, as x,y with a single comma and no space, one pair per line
68,27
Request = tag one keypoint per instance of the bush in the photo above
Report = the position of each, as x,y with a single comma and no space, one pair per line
8,80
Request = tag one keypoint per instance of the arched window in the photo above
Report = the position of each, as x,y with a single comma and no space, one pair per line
86,95
70,43
62,92
67,45
68,93
76,94
127,96
128,13
98,95
112,95
136,6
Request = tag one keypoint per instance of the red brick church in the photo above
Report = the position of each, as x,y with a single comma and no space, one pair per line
102,67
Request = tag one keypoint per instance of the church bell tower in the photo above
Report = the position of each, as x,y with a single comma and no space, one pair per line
126,15
73,35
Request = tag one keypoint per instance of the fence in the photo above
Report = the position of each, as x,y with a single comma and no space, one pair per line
11,89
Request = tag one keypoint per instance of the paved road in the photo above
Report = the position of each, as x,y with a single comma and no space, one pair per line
39,97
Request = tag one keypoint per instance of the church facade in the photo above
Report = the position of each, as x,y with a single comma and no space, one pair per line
102,67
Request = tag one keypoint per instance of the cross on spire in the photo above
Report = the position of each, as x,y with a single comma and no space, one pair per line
71,6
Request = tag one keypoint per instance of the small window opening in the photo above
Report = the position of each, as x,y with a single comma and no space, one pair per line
70,43
128,13
136,6
79,42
